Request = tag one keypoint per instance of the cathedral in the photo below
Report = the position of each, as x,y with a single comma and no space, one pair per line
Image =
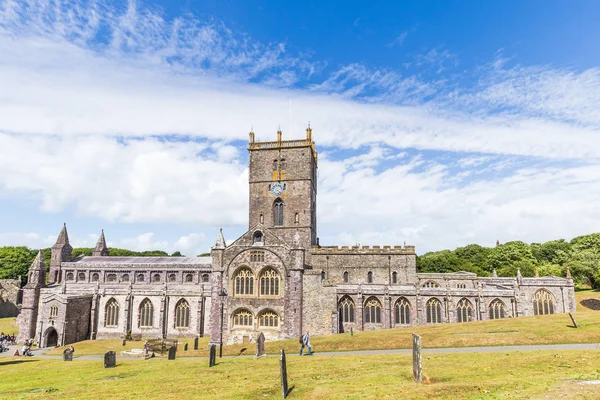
275,279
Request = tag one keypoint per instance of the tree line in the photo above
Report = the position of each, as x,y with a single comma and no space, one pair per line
581,256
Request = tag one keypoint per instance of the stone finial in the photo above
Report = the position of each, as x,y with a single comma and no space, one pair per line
37,272
279,134
251,134
569,273
63,236
494,273
309,133
497,242
220,244
38,262
101,249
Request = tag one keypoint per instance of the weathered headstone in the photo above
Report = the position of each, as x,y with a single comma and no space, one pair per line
110,359
124,341
195,343
185,347
284,381
573,319
417,361
172,352
351,332
260,345
212,358
67,355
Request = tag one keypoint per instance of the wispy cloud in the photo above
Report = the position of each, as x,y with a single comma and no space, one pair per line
398,40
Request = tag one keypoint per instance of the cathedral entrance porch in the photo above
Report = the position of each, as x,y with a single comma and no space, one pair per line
50,338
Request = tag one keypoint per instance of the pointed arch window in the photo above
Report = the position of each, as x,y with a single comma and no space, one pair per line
430,284
242,318
369,277
257,237
373,311
189,278
543,303
172,277
53,311
434,311
81,276
268,319
402,311
244,282
146,314
345,276
394,277
497,309
140,278
278,212
111,313
125,278
111,278
156,278
182,314
346,309
95,277
70,276
269,283
464,311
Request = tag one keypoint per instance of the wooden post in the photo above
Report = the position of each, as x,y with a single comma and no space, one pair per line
417,361
283,368
195,343
212,358
573,319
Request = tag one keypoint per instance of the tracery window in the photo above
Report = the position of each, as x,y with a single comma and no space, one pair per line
346,309
244,282
242,318
54,311
146,314
95,277
345,276
182,314
369,277
269,283
402,310
111,277
156,278
543,303
111,313
464,311
430,284
172,277
434,311
189,278
373,311
268,319
257,256
394,277
497,309
278,212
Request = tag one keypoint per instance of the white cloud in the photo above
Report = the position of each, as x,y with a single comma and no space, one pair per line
398,40
143,242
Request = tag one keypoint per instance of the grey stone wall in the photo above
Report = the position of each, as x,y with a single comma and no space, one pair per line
10,297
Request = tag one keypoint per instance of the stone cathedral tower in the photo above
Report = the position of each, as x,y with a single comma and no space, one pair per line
283,187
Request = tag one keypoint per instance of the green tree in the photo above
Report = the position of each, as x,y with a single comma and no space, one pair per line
204,255
15,262
585,268
475,254
177,254
507,258
587,242
554,251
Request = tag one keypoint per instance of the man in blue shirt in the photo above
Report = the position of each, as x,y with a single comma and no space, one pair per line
306,342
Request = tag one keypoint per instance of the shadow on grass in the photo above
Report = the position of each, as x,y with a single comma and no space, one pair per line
3,363
290,390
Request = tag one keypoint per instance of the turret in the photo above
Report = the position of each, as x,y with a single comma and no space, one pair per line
101,250
27,319
61,252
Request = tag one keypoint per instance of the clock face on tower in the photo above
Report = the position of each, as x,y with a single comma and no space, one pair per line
277,189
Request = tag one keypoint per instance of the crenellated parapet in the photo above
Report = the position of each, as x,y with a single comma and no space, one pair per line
359,250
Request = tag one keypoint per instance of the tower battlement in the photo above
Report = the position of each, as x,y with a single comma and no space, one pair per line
357,250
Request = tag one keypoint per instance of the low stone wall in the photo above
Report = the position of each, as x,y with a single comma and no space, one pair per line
10,297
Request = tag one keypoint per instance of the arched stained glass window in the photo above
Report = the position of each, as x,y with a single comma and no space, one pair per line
182,314
278,212
244,282
402,311
269,283
146,314
497,309
242,318
464,311
543,303
111,313
53,311
268,319
346,309
434,311
373,311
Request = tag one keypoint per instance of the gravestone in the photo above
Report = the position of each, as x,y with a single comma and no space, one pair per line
212,358
67,355
351,332
260,345
110,359
283,368
172,352
124,341
573,320
417,361
185,347
195,343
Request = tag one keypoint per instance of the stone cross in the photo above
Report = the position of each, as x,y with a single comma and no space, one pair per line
67,355
283,368
212,358
172,352
195,343
417,361
260,345
110,359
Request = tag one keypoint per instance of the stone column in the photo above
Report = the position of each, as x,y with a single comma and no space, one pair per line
359,312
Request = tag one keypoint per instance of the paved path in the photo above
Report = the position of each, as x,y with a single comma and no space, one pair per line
38,353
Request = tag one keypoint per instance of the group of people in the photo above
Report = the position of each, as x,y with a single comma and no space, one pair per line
26,349
5,341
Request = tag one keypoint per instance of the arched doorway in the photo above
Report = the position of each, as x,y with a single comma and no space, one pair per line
51,338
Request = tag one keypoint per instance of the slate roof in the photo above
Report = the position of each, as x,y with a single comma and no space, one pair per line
145,260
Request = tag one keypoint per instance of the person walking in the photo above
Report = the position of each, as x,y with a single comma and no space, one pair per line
305,341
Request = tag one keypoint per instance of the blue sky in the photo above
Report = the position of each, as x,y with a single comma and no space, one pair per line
438,123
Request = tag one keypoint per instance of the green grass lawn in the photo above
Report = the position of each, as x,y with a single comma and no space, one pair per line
547,329
514,375
7,325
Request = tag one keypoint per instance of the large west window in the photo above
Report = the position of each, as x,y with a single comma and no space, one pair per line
269,283
373,311
244,282
346,309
